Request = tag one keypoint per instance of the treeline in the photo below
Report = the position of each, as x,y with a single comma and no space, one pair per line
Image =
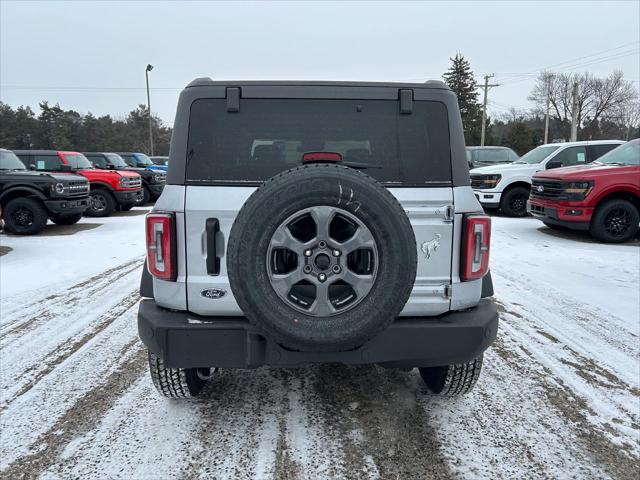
607,108
58,129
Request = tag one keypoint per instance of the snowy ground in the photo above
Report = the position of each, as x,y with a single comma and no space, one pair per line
559,395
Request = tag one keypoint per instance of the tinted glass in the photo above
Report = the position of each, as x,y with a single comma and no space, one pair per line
9,161
77,160
46,162
571,156
268,136
97,160
492,155
596,151
513,156
142,159
116,160
128,158
538,154
627,154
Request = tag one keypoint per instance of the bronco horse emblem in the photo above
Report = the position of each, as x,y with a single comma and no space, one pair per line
430,246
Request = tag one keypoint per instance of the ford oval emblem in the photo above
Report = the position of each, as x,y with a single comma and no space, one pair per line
213,293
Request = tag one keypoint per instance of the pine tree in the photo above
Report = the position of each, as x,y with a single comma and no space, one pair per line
460,79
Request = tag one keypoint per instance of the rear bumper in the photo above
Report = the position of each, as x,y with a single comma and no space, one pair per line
185,340
126,196
67,206
566,215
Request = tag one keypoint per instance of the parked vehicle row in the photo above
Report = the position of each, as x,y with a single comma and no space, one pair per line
152,180
506,186
29,198
36,185
602,197
483,156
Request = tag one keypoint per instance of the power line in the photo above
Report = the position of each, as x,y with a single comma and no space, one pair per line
572,67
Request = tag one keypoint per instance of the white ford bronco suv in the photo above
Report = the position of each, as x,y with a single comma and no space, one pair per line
506,186
307,222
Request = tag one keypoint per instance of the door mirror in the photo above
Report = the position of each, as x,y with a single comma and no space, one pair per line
65,168
554,164
32,167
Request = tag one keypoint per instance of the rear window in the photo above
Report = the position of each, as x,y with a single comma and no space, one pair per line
268,136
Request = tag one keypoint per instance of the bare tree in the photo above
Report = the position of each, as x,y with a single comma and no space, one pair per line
597,97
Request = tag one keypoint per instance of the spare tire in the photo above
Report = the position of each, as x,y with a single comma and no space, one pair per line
322,258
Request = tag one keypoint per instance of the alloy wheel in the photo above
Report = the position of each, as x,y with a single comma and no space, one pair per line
617,222
322,261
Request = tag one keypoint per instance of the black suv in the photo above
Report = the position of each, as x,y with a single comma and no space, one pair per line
152,181
29,198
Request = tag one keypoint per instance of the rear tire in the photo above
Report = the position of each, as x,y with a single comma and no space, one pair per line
25,216
176,382
452,380
66,219
101,204
615,221
514,202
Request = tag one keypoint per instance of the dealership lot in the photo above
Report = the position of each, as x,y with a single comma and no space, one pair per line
559,397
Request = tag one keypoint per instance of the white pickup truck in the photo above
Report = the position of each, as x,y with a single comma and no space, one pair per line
506,186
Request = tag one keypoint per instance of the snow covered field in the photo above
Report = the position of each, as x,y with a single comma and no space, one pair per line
559,395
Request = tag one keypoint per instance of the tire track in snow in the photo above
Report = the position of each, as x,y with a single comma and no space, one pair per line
384,432
43,368
23,357
82,416
32,414
612,402
47,307
584,327
618,461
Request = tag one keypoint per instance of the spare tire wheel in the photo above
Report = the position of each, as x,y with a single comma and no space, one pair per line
322,258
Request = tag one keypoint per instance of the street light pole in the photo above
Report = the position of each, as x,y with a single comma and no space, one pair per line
146,74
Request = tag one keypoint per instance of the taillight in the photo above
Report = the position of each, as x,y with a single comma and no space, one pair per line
161,246
476,237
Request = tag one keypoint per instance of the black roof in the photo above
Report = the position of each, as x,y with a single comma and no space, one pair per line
209,82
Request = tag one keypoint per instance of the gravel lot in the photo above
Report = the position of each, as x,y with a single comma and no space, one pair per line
559,395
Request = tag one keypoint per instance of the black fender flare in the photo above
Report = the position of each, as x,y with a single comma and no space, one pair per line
23,188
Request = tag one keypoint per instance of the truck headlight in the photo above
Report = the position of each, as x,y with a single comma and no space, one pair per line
490,181
58,188
159,178
577,190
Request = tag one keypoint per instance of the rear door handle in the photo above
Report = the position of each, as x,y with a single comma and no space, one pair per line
212,227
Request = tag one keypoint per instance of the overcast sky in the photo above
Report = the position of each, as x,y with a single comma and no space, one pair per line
90,56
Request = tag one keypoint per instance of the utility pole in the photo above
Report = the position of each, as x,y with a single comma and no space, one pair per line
574,113
146,74
484,106
546,113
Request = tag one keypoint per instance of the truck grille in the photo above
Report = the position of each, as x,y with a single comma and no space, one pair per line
131,182
77,188
547,188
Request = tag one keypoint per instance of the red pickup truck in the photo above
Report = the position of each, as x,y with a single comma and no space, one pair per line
110,189
602,197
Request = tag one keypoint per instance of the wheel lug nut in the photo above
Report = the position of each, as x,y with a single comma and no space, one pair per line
337,269
307,253
307,269
336,253
322,244
322,277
